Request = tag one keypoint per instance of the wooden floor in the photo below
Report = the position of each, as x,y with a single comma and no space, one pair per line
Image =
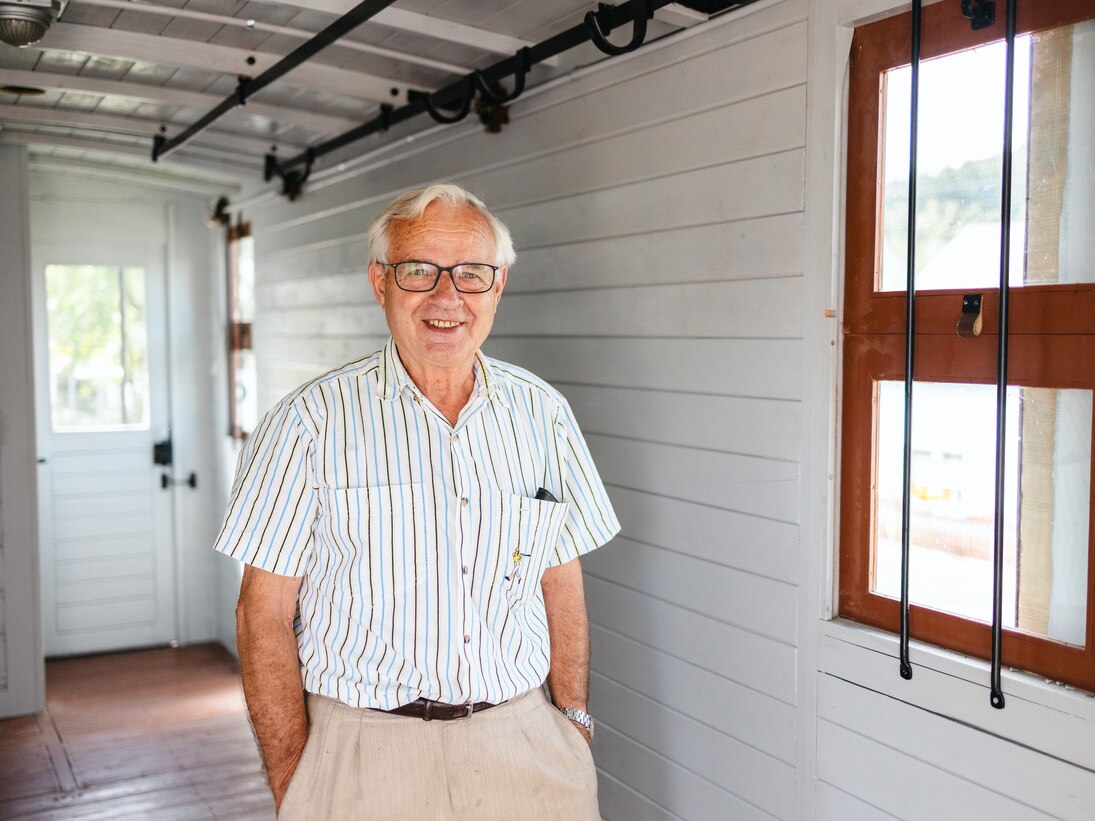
153,734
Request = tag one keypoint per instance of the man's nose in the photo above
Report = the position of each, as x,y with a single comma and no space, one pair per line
446,287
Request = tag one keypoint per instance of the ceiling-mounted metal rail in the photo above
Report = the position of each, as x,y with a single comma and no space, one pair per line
454,96
161,145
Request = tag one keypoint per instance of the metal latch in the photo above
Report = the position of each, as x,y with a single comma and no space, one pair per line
163,453
969,323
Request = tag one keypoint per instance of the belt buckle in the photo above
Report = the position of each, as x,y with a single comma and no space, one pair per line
427,714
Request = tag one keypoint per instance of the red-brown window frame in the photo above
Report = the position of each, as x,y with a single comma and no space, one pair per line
239,333
1051,342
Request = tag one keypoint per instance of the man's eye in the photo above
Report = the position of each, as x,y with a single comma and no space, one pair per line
417,271
473,272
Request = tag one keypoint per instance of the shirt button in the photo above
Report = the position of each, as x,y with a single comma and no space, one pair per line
464,569
456,437
464,502
467,639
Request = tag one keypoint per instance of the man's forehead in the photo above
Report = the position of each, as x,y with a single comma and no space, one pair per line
442,221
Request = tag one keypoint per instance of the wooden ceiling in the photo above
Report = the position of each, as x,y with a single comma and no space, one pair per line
111,74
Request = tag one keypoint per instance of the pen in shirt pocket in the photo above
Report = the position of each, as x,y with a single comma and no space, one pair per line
544,495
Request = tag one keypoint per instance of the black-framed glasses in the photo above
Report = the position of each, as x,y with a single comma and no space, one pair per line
467,277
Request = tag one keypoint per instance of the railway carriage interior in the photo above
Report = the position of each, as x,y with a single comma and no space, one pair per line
816,278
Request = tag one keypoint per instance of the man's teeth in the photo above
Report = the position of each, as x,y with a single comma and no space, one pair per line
442,323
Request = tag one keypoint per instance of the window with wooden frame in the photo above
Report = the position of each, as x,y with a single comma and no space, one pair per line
242,396
1049,548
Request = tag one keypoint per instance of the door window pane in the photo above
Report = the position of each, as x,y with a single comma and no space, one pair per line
98,347
245,279
247,405
243,410
1046,503
959,155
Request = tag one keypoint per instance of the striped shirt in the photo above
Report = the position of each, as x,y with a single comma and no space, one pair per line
421,543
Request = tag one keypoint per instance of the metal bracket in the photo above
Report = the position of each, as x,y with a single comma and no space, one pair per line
980,13
969,323
292,182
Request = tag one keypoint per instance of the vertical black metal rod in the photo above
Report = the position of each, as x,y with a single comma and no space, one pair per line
910,336
996,696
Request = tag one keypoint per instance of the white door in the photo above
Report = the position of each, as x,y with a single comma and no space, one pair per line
101,381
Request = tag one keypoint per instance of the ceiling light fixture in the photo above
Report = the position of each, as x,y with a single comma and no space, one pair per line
23,22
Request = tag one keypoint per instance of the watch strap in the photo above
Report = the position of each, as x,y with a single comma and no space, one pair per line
580,717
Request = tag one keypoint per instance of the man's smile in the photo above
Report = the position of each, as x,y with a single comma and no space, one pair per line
443,324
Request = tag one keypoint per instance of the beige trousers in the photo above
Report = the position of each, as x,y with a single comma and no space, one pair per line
521,760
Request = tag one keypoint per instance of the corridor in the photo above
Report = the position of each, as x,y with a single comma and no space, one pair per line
147,734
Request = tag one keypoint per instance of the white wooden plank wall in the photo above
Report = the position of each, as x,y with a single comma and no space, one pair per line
898,760
20,660
3,626
889,748
657,207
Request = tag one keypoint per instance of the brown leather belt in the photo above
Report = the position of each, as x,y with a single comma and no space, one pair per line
428,710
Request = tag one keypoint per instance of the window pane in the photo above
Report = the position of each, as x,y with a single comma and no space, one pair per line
247,405
959,165
245,279
1046,503
98,346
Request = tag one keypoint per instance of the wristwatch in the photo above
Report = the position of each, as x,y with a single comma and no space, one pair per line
580,717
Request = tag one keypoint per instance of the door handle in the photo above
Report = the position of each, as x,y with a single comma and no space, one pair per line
167,481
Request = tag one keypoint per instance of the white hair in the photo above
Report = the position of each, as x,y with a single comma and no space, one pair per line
413,204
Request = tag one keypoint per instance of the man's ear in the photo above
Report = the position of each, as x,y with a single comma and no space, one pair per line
500,282
378,281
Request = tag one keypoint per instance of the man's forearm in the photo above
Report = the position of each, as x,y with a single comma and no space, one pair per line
270,667
568,628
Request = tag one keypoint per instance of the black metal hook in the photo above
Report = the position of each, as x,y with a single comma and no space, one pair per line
524,62
598,34
434,110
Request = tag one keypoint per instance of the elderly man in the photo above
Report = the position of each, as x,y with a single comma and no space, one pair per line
410,525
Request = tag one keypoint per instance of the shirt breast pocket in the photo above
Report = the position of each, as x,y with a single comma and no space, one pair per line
530,530
379,541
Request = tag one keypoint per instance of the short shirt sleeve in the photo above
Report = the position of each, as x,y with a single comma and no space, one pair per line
591,521
273,504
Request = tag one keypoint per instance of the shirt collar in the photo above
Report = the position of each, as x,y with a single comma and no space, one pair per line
394,379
